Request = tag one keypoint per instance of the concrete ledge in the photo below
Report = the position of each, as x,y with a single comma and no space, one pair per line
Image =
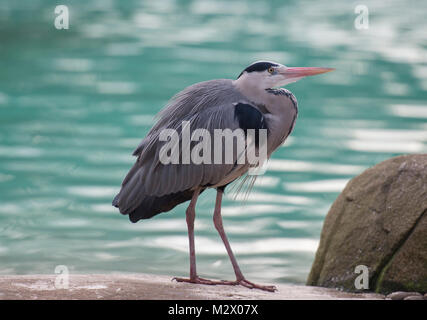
143,286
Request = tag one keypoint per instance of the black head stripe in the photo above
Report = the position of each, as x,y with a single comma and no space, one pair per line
259,66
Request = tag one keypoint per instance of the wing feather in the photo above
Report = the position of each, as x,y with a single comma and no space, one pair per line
207,106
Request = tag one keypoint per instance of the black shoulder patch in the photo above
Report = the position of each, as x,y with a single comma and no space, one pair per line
258,66
250,117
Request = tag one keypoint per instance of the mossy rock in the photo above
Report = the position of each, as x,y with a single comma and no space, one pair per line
380,221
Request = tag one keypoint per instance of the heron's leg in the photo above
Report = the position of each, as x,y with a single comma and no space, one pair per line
240,279
217,219
190,217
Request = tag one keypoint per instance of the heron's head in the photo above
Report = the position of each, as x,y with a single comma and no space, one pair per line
268,74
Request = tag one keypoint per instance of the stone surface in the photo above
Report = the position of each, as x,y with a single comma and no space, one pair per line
143,286
380,221
400,295
414,298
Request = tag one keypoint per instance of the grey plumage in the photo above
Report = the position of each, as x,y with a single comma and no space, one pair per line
251,103
209,105
215,104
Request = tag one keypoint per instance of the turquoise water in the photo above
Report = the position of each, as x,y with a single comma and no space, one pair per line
75,103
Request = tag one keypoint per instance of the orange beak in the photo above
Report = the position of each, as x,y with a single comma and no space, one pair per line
298,72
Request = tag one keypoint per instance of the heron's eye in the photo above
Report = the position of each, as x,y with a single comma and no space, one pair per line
270,70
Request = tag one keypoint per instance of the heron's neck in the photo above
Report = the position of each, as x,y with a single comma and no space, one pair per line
267,98
281,109
252,91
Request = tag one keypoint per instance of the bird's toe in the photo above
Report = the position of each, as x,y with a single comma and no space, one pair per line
251,285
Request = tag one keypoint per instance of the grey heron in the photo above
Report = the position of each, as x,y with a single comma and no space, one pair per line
253,101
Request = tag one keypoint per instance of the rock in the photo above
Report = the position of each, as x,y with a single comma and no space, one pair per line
148,287
400,295
379,221
414,298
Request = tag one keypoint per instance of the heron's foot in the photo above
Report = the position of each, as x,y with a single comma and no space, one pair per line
242,282
251,285
198,280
